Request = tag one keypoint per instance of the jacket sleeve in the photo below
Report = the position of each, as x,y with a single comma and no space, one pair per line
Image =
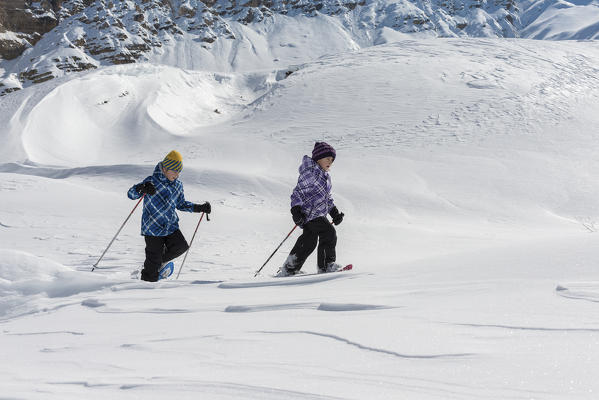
183,204
330,201
132,193
303,190
330,204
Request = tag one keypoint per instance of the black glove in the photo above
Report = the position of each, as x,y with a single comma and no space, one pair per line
298,216
336,215
145,188
205,208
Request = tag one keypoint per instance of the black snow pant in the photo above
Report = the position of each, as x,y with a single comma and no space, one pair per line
161,249
317,230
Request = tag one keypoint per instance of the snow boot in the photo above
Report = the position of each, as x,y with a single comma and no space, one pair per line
332,267
289,268
283,272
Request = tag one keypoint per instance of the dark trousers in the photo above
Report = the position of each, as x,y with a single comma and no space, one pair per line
161,249
320,231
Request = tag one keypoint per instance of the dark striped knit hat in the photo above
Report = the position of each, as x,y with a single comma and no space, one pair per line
173,161
322,150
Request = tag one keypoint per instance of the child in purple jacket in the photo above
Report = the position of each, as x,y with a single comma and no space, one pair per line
311,201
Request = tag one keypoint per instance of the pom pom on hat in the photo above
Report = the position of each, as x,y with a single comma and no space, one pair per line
173,161
322,150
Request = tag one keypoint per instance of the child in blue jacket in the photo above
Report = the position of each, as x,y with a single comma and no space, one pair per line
159,221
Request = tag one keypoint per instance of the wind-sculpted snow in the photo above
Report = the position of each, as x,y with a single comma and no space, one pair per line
28,282
371,349
559,20
588,291
126,171
337,307
535,328
293,281
83,120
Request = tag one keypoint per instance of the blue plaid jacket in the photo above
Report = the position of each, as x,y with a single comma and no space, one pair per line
159,217
313,190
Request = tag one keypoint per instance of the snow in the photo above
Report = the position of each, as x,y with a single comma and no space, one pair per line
280,40
194,36
27,278
11,36
466,170
561,20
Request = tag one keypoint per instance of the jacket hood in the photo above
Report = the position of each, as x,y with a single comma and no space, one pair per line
308,163
159,175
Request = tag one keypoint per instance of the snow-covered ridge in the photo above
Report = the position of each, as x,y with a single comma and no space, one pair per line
215,35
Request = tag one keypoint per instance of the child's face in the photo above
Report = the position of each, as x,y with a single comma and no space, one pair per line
170,174
325,163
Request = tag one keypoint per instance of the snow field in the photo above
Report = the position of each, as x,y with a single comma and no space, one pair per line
465,168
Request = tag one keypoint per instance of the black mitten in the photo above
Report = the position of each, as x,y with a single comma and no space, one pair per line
145,188
205,208
336,215
298,216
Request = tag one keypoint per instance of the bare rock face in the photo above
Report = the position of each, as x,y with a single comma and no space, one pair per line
24,23
28,17
12,48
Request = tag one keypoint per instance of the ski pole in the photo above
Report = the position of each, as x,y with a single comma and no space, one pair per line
117,233
273,253
190,243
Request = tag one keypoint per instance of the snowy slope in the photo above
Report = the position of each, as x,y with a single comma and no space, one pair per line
560,20
231,37
466,170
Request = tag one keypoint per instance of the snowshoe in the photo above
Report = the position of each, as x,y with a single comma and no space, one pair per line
166,270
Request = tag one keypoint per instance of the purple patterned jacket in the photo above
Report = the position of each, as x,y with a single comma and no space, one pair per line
313,190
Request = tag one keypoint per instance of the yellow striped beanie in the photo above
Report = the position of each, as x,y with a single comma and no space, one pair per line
173,161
